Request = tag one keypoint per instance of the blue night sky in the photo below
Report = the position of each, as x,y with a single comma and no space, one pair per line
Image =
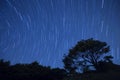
44,30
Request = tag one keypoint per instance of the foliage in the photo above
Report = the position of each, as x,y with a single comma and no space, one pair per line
87,53
32,71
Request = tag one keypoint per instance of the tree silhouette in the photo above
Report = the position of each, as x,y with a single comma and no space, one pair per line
32,71
87,53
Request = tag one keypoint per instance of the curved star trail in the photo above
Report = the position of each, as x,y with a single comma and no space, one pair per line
44,30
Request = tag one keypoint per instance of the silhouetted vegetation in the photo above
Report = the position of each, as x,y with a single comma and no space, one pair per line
32,71
88,53
89,60
85,54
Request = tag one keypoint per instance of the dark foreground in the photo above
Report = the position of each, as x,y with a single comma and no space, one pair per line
34,71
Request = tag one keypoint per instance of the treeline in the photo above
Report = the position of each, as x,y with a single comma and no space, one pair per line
32,71
89,56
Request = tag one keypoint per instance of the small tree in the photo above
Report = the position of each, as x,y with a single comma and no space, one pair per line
86,53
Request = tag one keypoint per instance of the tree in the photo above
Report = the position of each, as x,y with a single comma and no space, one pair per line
86,53
4,65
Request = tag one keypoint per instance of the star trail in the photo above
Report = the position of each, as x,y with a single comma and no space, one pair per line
45,30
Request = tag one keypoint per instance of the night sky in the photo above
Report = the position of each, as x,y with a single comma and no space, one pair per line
45,30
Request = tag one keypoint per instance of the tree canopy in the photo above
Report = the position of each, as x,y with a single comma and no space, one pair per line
87,53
